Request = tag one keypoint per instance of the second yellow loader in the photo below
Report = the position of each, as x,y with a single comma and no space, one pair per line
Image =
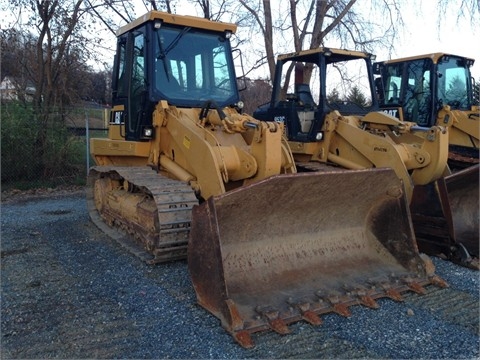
325,130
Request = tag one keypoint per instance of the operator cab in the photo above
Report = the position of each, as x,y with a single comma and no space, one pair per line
179,59
317,87
415,89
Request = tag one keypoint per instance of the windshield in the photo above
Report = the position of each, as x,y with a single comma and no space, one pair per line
392,81
192,67
348,85
407,84
453,83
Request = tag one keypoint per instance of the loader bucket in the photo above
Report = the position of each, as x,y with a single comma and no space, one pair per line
463,195
446,215
292,247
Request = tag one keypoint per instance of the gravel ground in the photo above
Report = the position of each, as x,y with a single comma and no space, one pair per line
68,291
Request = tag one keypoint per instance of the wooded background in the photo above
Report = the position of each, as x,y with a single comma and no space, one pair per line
57,56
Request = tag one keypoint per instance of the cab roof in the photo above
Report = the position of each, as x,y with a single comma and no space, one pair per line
181,20
434,56
334,54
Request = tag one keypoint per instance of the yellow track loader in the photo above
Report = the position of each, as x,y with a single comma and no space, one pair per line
184,171
437,89
323,129
434,89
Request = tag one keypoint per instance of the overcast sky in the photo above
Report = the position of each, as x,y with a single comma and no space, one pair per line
456,35
421,33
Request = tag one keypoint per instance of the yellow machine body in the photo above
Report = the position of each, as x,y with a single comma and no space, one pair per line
434,89
184,171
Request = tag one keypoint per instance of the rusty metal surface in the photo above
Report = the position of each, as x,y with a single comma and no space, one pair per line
463,194
153,211
446,213
432,219
294,247
461,158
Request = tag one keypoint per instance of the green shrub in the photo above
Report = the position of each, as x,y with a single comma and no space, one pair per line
17,142
60,160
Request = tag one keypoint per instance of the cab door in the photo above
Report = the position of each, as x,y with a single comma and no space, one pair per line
129,89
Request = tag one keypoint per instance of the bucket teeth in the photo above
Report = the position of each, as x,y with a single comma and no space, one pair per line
279,326
307,314
394,294
244,339
312,318
416,287
368,301
339,302
274,321
438,281
363,296
342,309
388,286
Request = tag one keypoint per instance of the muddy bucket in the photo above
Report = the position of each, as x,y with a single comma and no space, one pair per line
463,194
446,215
292,247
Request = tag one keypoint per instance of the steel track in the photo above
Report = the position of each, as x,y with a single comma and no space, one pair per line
173,199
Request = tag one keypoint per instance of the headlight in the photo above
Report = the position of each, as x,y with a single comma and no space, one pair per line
147,132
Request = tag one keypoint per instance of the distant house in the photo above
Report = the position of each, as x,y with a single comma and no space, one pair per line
10,89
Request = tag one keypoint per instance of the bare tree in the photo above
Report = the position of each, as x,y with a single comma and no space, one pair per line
258,92
56,40
265,25
166,5
281,26
468,9
205,6
476,93
309,24
17,51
